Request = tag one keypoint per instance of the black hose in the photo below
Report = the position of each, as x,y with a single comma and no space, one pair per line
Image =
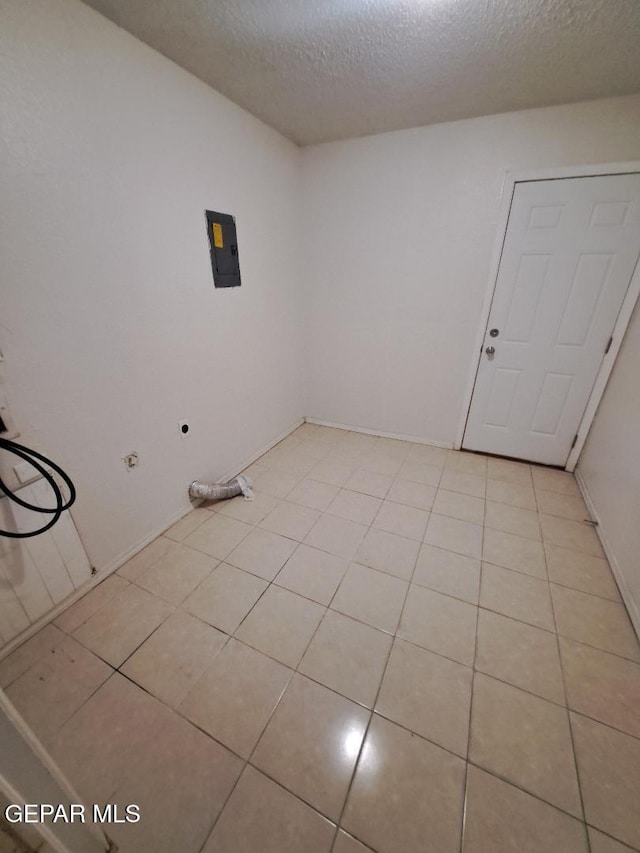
34,458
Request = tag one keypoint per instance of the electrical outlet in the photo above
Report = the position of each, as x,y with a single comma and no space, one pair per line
130,460
184,428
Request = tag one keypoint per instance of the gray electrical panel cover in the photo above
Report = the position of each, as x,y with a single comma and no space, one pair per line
223,245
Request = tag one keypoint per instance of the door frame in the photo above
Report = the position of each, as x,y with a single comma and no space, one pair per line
511,178
32,776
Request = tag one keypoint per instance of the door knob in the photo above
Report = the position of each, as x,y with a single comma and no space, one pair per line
490,351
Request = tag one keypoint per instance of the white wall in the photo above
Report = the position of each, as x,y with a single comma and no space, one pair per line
109,322
400,229
609,467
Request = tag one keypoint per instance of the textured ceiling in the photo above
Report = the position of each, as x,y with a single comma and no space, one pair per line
320,70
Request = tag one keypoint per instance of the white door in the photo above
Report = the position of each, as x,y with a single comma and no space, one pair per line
28,774
568,257
36,574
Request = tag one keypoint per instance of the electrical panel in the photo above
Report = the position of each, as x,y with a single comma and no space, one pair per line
223,244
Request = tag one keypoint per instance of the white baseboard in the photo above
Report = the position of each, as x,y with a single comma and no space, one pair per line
629,603
398,436
122,558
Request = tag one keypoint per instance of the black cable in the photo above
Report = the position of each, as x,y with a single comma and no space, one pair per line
31,456
57,512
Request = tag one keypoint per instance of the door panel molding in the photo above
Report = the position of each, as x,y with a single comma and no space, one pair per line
510,181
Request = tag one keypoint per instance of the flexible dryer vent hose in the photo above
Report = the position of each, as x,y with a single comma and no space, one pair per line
221,491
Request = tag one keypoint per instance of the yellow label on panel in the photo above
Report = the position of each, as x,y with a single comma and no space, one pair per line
217,235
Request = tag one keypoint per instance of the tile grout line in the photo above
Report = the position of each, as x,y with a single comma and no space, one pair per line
566,700
371,716
608,835
465,788
375,700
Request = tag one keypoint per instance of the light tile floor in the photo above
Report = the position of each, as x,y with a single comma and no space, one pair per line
393,648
